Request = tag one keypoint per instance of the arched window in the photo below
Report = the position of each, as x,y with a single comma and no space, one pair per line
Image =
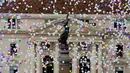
84,64
47,64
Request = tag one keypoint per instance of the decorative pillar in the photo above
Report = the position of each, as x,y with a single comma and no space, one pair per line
100,58
32,65
56,62
38,69
32,70
74,60
93,59
38,63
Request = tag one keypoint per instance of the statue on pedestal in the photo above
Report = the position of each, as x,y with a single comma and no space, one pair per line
64,36
64,57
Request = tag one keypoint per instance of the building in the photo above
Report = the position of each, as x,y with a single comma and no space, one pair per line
98,42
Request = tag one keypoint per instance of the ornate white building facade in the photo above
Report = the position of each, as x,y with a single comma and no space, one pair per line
30,44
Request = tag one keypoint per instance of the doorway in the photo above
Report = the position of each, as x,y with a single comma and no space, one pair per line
84,64
47,64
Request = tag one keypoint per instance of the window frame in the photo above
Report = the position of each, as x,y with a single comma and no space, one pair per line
13,54
117,55
43,46
16,23
119,24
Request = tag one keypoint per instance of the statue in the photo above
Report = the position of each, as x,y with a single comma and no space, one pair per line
64,36
64,58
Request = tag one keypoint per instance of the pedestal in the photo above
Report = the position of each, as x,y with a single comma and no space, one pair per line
64,59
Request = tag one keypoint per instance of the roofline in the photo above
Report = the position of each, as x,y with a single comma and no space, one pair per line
55,16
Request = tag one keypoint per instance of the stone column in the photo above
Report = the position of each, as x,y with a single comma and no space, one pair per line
32,70
38,63
100,58
38,69
74,60
56,62
93,59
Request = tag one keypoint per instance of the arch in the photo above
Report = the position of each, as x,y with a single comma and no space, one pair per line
84,64
48,64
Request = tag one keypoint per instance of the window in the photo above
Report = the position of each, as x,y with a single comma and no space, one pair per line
13,49
119,50
118,69
13,23
84,64
84,20
84,45
45,45
13,69
87,21
47,64
18,23
119,25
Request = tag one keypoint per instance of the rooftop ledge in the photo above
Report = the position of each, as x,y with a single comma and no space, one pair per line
55,16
